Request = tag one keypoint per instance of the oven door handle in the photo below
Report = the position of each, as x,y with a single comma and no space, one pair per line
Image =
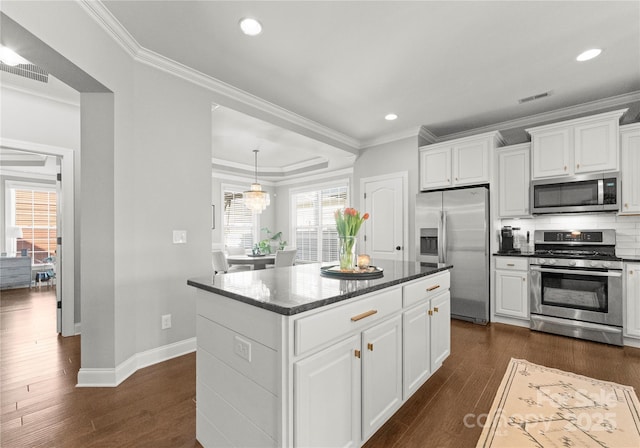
576,272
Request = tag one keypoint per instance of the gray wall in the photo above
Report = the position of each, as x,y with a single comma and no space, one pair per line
394,157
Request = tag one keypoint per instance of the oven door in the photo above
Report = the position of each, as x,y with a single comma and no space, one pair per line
587,295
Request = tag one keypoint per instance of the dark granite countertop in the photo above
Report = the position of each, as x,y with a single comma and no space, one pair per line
300,288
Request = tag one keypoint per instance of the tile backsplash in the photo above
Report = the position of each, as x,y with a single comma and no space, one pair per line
627,228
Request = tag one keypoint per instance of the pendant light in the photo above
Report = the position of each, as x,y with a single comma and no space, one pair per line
255,199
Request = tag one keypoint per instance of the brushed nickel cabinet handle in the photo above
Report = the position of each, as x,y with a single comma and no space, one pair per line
565,167
626,205
432,288
510,264
363,315
578,166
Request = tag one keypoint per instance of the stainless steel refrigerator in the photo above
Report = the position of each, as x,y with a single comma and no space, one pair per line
452,227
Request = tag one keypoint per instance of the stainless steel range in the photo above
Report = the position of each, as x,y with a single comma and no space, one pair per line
576,285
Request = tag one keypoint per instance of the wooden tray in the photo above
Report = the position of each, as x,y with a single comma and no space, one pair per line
335,272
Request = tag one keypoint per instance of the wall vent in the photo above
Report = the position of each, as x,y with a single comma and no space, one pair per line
27,71
534,97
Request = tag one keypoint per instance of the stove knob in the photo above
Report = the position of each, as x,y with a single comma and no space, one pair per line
542,261
572,262
606,264
593,263
552,261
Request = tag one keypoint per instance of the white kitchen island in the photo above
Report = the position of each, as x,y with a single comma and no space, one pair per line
289,358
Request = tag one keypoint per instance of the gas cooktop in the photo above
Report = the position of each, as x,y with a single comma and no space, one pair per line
577,253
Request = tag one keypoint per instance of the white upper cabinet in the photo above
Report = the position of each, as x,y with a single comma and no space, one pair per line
465,161
583,145
435,168
513,178
630,171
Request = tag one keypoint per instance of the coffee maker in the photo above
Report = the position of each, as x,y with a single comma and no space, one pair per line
509,240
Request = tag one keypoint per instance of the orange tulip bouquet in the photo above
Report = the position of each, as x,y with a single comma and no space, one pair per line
348,222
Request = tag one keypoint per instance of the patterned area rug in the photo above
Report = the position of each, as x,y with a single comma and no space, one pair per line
536,406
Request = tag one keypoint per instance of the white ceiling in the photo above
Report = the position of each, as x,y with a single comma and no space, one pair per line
445,66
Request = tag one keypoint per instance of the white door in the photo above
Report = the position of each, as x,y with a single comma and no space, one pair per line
385,200
58,258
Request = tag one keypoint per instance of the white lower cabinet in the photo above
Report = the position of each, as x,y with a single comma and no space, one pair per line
359,376
427,340
381,374
512,287
632,314
327,403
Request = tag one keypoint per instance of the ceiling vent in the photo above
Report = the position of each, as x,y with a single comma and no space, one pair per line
27,71
534,97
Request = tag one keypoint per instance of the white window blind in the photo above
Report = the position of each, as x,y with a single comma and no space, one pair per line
315,226
237,219
35,213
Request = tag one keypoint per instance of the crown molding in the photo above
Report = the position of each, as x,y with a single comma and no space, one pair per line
554,115
98,12
392,137
119,34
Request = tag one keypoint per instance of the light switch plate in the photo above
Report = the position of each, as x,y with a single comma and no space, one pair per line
179,237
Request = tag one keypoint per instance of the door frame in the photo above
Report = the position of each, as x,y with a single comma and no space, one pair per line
66,274
404,177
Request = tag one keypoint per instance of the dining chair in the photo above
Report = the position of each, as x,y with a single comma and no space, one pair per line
285,257
221,266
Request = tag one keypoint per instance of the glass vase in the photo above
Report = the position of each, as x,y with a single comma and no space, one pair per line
347,252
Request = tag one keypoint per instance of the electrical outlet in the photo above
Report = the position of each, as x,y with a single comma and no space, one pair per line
166,321
242,348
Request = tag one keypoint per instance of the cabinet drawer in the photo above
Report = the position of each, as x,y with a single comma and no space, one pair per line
315,330
425,288
512,263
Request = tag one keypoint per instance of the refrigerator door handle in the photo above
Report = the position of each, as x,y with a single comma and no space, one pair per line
440,237
444,237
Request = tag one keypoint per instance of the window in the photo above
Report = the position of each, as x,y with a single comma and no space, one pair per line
34,211
314,222
238,221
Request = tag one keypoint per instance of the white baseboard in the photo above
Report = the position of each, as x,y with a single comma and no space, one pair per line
632,342
511,321
97,377
77,328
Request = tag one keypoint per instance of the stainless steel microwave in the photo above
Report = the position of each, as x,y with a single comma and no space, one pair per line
598,192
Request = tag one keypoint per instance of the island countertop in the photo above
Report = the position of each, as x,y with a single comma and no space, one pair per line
300,288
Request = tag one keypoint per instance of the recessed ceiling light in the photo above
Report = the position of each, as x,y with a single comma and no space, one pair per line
10,57
250,27
589,54
390,117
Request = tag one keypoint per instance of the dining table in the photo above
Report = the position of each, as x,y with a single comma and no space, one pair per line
257,261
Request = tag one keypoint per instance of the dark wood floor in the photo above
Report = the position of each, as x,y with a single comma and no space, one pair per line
41,407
